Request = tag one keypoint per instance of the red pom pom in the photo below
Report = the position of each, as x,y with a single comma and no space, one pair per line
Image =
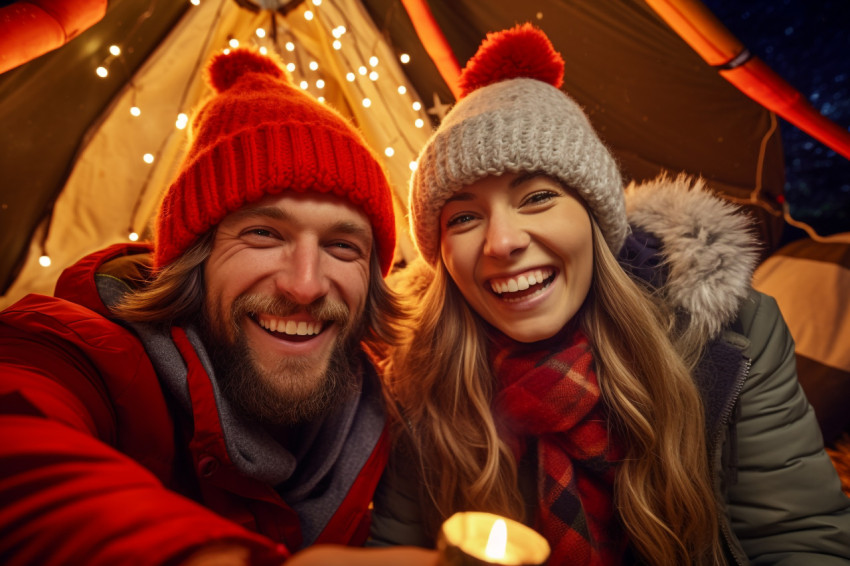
225,68
523,51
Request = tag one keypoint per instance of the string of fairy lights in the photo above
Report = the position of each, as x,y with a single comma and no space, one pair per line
303,67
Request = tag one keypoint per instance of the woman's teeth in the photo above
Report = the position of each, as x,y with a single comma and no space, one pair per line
289,327
520,282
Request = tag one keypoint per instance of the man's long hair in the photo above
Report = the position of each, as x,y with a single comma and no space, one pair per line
442,385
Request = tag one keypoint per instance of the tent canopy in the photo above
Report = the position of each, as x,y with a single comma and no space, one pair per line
73,174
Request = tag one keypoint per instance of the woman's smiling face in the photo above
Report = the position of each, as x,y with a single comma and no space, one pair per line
520,249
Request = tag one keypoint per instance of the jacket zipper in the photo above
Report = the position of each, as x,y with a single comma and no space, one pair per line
724,420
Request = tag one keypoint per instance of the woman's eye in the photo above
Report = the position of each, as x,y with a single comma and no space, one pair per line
540,197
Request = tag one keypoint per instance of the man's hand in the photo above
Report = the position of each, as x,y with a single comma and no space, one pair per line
335,555
218,555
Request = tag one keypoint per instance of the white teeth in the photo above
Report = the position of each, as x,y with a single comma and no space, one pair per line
521,282
289,327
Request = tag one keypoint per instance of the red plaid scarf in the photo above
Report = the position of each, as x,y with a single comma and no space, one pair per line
550,392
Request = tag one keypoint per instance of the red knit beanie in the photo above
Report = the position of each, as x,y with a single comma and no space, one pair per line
259,135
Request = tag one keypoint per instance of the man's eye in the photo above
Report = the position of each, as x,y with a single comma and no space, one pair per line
262,232
345,250
260,236
459,220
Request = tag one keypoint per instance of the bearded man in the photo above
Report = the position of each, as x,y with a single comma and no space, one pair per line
209,398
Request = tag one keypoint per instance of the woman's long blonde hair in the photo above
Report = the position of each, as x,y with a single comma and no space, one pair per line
442,387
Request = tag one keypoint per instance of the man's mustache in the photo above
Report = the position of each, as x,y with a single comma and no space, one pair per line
323,309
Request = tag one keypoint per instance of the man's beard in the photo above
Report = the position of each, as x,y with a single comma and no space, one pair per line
295,390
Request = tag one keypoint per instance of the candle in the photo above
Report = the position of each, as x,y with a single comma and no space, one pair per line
479,539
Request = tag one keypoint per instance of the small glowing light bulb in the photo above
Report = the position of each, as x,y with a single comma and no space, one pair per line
389,152
404,58
373,61
337,44
303,85
402,89
362,70
290,46
419,122
133,237
148,157
135,111
264,50
373,75
195,2
101,71
321,99
320,83
290,67
317,2
350,77
417,106
413,165
115,50
261,33
182,121
367,103
44,261
308,15
234,43
226,50
313,65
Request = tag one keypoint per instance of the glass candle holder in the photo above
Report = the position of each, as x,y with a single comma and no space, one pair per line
481,539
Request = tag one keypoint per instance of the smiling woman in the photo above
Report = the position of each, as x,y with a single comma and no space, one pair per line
502,233
604,375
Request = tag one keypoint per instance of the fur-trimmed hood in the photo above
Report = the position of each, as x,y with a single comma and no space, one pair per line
707,247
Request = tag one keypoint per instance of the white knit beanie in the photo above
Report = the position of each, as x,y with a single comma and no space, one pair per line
512,118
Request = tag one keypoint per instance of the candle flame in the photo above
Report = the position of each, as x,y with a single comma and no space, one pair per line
498,540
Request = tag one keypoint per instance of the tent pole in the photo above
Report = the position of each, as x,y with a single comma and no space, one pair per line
31,29
434,41
719,48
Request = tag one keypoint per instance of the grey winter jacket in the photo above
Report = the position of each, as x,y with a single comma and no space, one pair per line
781,498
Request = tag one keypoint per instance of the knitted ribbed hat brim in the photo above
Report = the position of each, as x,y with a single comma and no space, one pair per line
259,162
258,135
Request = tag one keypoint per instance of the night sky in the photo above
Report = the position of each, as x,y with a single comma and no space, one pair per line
807,42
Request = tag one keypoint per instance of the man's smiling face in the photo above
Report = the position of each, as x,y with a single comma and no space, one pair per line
286,285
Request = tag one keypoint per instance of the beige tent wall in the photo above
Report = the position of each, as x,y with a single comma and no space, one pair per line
112,191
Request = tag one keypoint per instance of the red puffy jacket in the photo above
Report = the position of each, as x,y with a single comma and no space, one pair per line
94,468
